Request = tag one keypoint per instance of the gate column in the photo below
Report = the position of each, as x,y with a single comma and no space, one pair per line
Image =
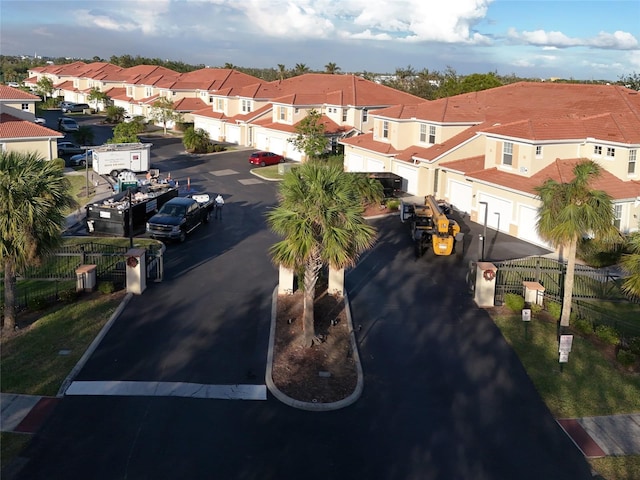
485,291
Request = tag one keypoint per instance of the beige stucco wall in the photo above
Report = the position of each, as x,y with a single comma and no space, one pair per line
14,108
45,148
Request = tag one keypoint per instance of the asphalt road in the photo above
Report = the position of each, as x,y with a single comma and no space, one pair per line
444,396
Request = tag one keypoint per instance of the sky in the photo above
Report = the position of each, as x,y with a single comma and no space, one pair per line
578,39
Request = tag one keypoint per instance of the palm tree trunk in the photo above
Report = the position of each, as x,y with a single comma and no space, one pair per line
9,295
311,272
568,283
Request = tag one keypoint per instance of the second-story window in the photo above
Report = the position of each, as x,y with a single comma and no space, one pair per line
432,134
246,106
25,106
283,113
538,151
344,114
423,133
365,115
385,129
148,91
611,152
507,153
597,150
631,167
220,104
617,216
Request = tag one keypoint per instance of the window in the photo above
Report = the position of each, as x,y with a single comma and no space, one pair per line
507,153
246,106
385,129
435,180
432,134
365,115
220,104
283,113
423,133
631,168
597,150
296,110
538,151
611,152
25,106
210,99
617,216
344,114
129,91
148,91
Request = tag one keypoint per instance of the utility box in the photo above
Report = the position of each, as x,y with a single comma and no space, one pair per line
485,289
284,168
86,278
136,271
533,293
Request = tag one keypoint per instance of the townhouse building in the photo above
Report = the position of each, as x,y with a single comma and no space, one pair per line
264,115
18,132
485,152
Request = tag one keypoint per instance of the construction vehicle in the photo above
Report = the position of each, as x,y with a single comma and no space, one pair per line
431,225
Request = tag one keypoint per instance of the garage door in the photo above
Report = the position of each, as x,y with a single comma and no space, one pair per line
293,153
355,163
460,196
527,219
409,179
500,212
374,165
262,141
277,146
233,133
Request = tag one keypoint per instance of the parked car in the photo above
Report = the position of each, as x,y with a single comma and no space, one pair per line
74,107
67,124
265,158
68,148
81,159
40,121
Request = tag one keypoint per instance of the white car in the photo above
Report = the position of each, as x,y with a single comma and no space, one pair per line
40,121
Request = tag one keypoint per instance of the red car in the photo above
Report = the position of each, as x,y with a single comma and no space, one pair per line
265,158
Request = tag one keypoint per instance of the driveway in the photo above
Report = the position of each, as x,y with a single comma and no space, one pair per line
444,396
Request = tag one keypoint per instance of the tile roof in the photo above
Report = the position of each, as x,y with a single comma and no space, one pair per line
15,128
560,171
535,110
465,165
212,79
367,142
10,93
189,105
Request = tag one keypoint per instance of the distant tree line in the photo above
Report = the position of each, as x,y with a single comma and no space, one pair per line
423,83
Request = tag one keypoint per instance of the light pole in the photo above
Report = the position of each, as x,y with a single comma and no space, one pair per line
484,233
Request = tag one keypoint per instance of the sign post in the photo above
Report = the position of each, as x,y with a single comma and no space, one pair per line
565,347
526,319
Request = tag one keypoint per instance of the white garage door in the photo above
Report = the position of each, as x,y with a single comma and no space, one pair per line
262,141
233,134
277,146
293,153
527,220
374,165
355,163
460,196
409,179
499,214
212,129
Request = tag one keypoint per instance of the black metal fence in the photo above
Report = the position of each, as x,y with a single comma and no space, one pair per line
57,274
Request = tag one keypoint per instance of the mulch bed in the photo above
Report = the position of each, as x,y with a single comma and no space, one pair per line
325,372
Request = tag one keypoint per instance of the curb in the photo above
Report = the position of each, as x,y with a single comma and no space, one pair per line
310,406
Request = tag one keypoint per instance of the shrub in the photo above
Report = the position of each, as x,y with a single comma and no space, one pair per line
68,296
554,309
392,205
626,358
39,303
106,287
535,308
607,334
583,326
634,345
514,302
59,162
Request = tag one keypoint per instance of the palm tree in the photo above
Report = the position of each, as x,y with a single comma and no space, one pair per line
300,69
33,196
630,264
196,140
282,70
84,135
320,218
570,211
331,68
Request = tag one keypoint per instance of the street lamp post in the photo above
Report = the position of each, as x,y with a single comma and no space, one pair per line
484,233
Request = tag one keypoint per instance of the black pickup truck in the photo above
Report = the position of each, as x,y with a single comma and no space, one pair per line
180,216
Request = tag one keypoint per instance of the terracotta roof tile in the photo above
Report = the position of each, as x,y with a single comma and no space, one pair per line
466,165
14,128
366,142
189,105
10,93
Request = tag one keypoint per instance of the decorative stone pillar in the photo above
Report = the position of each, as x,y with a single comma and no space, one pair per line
336,281
485,290
136,271
286,281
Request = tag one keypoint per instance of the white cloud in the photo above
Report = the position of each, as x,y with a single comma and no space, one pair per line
611,41
617,40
